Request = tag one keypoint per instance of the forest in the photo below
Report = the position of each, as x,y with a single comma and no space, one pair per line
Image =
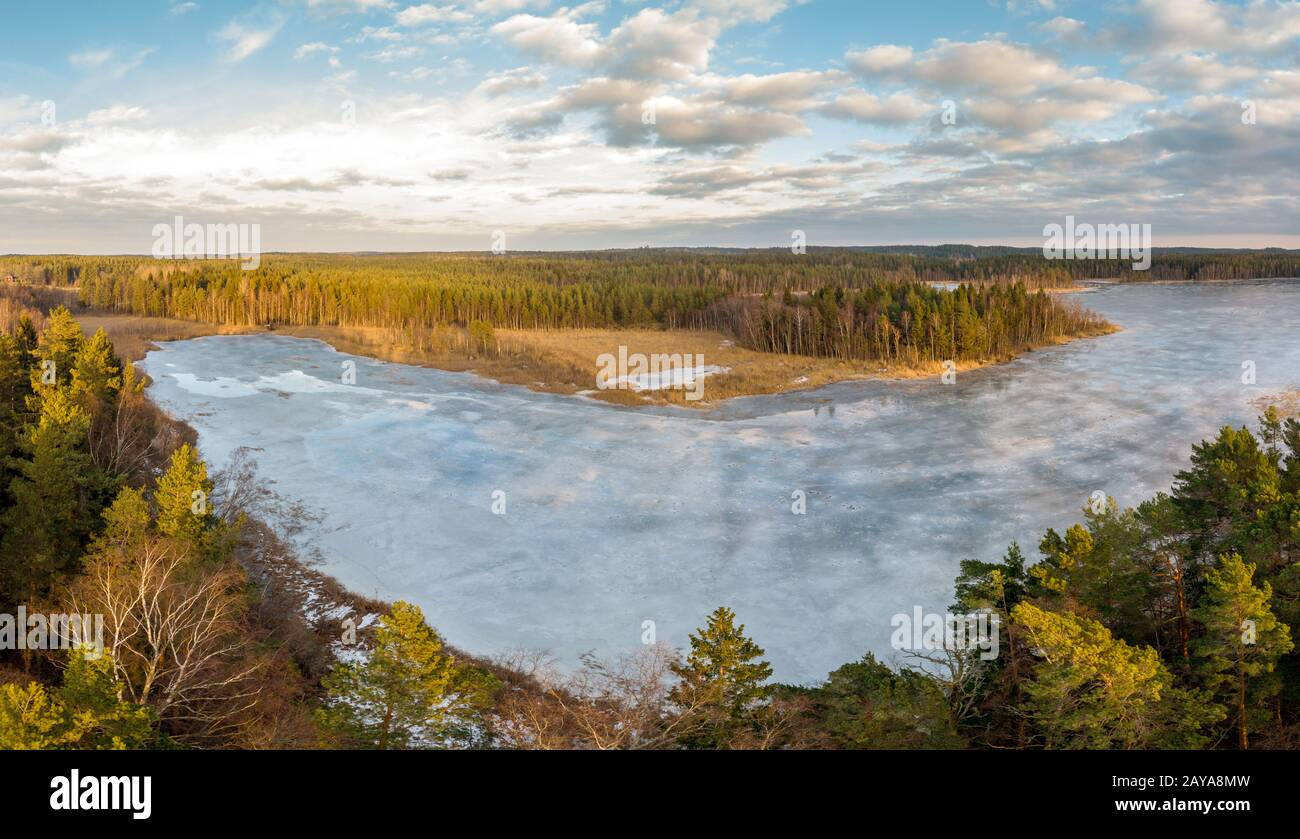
1163,626
914,305
840,304
911,322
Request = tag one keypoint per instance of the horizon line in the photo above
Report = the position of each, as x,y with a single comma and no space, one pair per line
489,252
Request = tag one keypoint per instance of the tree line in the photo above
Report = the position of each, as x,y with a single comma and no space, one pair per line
869,315
910,322
917,305
739,271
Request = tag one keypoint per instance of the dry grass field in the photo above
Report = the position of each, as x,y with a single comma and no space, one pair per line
134,336
561,361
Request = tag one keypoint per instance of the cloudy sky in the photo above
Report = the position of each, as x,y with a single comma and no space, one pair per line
380,124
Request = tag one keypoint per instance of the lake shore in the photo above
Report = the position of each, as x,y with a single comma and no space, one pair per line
563,362
1287,403
619,516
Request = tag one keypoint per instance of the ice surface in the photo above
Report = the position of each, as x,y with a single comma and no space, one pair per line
619,515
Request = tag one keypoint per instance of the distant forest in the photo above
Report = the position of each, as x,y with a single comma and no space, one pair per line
928,304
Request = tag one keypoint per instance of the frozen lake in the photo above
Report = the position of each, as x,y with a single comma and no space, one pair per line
614,516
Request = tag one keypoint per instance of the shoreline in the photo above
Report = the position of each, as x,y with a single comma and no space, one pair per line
554,362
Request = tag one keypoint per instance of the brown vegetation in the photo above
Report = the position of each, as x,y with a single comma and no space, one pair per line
559,361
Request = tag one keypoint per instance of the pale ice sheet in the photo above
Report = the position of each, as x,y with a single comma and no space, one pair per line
616,515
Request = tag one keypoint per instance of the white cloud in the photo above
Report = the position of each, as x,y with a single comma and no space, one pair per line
21,108
117,114
1066,29
708,124
392,53
349,5
1173,26
496,7
656,44
91,58
314,47
881,59
989,65
558,40
866,107
511,81
427,13
1191,71
378,33
794,90
742,10
110,62
246,40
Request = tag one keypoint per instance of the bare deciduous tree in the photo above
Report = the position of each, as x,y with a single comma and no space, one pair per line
617,704
175,634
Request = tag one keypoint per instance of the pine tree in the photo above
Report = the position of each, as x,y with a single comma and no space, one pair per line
1231,479
721,681
59,343
55,500
14,390
126,522
867,705
999,587
1243,639
25,335
96,371
91,693
32,719
13,377
1090,690
407,693
85,713
1290,438
183,499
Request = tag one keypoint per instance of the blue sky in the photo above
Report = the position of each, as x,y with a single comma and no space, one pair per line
369,124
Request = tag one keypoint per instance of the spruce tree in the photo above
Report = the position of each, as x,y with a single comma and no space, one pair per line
27,338
721,681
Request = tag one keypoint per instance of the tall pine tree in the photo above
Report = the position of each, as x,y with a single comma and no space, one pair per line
1243,639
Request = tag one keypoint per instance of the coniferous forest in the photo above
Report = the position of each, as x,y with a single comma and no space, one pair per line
838,303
